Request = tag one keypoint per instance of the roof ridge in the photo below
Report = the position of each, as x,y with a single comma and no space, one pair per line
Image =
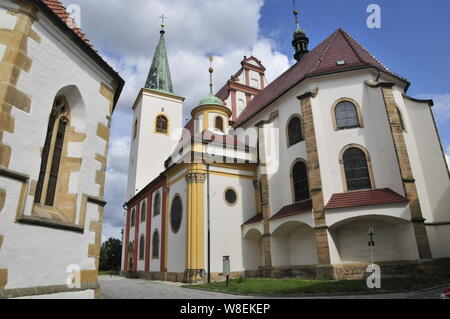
347,35
325,50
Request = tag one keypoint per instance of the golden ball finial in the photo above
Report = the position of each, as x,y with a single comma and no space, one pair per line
296,12
211,70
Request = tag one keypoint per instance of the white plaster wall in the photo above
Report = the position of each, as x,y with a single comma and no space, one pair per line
226,221
375,136
439,237
134,144
27,250
142,231
148,163
293,242
176,250
427,160
155,264
40,256
393,240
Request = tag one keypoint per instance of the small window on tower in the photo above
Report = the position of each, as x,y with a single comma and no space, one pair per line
162,124
219,123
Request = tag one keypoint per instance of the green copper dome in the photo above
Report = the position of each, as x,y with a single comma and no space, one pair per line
211,100
159,76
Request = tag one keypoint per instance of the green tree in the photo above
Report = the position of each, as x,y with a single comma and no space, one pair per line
110,255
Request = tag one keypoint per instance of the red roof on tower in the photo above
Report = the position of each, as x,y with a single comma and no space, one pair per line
339,46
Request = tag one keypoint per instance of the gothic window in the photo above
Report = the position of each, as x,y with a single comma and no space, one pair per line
143,211
133,216
155,245
176,213
141,247
346,115
52,153
356,169
294,131
300,182
157,205
162,124
219,123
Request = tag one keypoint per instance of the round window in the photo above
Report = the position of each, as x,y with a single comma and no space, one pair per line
176,214
230,196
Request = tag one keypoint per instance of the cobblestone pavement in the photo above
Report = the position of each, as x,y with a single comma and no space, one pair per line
122,288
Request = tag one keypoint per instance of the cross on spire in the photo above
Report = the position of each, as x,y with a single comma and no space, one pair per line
250,48
163,18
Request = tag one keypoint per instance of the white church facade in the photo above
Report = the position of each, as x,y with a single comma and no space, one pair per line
286,178
57,96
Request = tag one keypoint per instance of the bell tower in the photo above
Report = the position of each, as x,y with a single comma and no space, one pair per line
300,40
157,115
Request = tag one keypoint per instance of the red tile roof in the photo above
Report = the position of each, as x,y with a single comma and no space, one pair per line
57,7
255,219
294,209
365,198
322,59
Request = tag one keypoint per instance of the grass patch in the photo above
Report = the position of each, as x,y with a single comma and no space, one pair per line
253,286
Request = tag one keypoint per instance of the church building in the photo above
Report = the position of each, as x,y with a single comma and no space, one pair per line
57,96
288,178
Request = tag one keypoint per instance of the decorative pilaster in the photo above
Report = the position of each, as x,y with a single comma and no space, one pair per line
315,181
409,183
195,225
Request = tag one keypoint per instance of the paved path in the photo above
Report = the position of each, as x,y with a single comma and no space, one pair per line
123,288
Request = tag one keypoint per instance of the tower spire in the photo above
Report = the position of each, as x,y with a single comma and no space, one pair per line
300,41
211,70
159,75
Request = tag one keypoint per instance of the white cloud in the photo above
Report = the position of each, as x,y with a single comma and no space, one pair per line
126,34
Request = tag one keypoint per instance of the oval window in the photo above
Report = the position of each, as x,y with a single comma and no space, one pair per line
176,214
230,196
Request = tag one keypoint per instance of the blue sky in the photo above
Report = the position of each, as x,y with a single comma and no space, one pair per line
413,41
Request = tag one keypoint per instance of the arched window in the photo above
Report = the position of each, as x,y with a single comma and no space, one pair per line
219,123
157,205
162,124
300,182
294,131
346,115
155,245
141,247
135,129
52,153
356,169
143,211
176,214
133,216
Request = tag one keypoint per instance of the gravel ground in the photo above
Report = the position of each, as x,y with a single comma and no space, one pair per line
123,288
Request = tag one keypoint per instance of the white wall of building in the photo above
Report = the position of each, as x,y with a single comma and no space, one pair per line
145,161
176,250
57,68
155,264
226,221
